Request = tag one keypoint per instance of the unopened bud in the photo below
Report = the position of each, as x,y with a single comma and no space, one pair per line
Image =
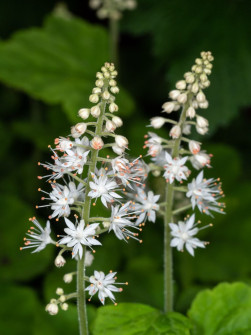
110,126
106,224
99,83
190,78
84,113
95,111
118,150
78,130
175,132
52,308
113,107
156,173
203,77
62,298
174,94
68,278
64,306
200,97
194,147
117,120
200,160
94,98
201,131
106,95
96,90
157,122
201,121
88,258
112,82
204,104
195,88
97,143
168,106
99,75
186,129
121,141
182,98
114,89
190,112
181,85
59,261
59,291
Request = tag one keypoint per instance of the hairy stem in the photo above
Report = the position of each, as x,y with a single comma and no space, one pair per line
82,313
168,217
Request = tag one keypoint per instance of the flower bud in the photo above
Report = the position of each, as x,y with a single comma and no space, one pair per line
201,131
106,224
114,89
96,90
200,160
181,85
84,113
203,77
121,141
64,306
68,278
112,82
117,120
175,132
190,112
78,130
156,173
168,106
194,147
107,75
59,291
118,150
95,111
200,97
195,88
94,98
110,126
204,104
59,261
207,71
186,129
190,78
198,61
106,95
201,121
62,298
99,75
157,122
52,308
182,98
113,107
174,94
88,258
99,83
97,143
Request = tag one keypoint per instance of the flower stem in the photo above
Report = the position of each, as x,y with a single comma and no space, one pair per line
168,217
82,313
114,37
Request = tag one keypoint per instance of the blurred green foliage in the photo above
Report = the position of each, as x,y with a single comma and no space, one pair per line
57,64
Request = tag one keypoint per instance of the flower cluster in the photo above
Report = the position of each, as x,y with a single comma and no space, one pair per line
173,155
112,8
81,177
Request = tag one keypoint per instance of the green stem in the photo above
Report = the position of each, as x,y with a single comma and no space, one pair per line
82,314
168,218
182,209
114,38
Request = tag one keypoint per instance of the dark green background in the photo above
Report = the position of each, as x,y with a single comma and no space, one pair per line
159,42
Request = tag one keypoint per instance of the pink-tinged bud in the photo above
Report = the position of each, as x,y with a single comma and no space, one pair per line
59,261
168,107
175,132
202,122
121,141
190,112
84,113
110,126
97,143
118,150
174,94
200,97
200,160
194,147
182,98
118,121
201,131
78,130
157,122
95,111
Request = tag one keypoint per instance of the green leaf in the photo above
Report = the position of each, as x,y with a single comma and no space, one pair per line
225,310
16,264
58,63
132,319
179,33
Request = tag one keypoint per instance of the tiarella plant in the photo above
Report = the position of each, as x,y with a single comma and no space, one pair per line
79,177
173,157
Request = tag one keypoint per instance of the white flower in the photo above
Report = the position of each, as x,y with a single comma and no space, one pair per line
183,234
103,284
148,205
121,141
204,194
120,220
39,237
78,235
153,143
175,169
200,160
64,144
62,198
103,187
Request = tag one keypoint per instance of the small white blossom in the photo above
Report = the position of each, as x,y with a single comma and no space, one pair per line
104,285
103,187
183,234
78,235
175,168
200,160
39,237
204,194
147,204
153,143
62,198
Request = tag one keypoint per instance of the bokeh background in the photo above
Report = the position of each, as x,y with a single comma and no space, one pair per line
49,54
